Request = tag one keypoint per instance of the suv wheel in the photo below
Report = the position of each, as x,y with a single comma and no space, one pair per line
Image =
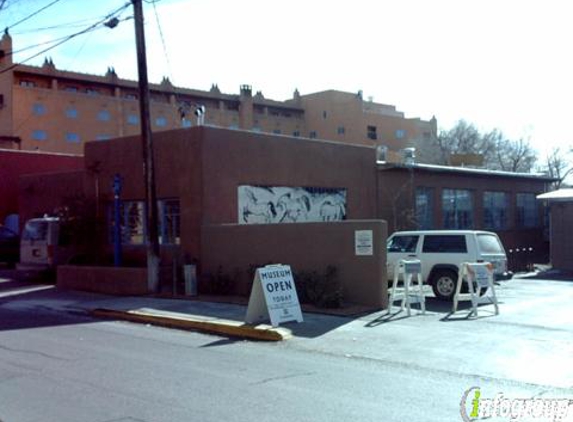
444,284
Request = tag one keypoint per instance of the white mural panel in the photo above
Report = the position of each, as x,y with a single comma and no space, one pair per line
265,205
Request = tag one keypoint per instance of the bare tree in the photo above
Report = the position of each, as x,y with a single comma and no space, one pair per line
465,138
559,165
498,152
514,156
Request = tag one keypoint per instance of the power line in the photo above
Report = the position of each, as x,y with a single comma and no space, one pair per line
162,39
69,37
30,47
32,15
73,24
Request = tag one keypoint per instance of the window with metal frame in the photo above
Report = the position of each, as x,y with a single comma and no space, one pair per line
169,222
526,210
457,209
495,207
425,208
133,230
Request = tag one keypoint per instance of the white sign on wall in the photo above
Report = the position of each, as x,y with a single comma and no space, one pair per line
363,242
273,296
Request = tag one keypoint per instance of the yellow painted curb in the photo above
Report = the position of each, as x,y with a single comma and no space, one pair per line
222,327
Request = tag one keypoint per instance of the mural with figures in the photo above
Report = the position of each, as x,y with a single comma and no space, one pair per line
265,205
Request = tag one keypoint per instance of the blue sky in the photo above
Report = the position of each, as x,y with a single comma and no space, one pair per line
500,64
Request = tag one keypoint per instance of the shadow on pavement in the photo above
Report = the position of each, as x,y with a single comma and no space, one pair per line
222,342
315,325
551,274
23,304
433,305
32,305
15,314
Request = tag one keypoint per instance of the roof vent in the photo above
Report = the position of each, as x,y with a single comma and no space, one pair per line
381,152
409,156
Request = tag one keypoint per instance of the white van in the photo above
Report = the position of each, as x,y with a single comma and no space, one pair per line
441,253
44,245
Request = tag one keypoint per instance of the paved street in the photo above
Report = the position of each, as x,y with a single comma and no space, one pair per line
57,364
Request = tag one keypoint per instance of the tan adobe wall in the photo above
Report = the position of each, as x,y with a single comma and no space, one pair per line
327,111
178,169
233,158
43,193
108,280
203,167
306,246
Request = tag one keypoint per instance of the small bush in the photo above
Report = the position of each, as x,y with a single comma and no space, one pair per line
319,289
222,283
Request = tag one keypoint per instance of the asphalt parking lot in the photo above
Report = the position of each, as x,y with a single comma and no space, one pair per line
525,351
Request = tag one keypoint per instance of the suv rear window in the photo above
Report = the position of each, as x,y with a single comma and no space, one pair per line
435,243
489,244
403,244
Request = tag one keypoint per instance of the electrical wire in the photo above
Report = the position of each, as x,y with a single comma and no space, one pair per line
74,24
32,15
181,108
69,37
30,47
162,40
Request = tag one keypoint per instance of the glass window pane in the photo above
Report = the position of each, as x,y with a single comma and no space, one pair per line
445,244
403,244
495,206
71,113
169,222
133,232
103,115
72,137
526,210
132,119
457,208
39,135
489,243
39,109
425,208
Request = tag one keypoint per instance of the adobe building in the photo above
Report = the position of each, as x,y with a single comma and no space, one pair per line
423,196
16,163
560,223
231,199
59,111
225,198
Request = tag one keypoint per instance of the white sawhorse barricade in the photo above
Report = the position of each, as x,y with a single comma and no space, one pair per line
408,269
477,276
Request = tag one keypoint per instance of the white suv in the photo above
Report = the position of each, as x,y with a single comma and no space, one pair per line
441,253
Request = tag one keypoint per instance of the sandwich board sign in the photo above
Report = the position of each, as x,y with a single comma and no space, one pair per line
273,296
482,273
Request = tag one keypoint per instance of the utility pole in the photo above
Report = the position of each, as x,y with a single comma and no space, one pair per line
147,148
